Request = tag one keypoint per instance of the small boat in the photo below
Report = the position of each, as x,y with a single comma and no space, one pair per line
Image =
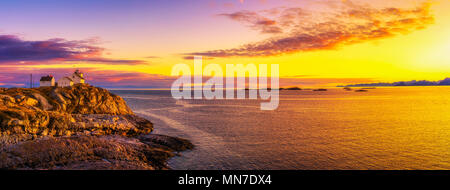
320,90
361,90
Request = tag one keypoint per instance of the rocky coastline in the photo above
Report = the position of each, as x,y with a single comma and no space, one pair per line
78,127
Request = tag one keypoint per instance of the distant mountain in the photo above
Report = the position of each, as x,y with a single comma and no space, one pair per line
445,82
405,83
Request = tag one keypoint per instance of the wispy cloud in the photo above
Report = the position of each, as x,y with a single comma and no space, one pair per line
14,50
119,79
255,21
192,58
297,30
152,57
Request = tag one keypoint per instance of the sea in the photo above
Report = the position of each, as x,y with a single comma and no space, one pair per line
384,128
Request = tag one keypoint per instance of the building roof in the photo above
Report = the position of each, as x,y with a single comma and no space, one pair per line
47,78
78,74
66,78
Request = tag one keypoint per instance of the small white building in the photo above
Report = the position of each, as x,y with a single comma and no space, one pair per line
77,77
65,82
48,80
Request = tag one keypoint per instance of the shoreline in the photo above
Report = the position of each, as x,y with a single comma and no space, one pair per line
79,127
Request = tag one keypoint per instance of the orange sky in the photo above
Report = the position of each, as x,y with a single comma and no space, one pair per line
330,41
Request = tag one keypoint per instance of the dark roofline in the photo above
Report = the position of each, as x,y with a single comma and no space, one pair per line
47,78
78,74
67,78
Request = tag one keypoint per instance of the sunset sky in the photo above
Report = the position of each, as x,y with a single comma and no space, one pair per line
135,43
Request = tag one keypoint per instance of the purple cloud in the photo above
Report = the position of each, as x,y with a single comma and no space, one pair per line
15,50
255,21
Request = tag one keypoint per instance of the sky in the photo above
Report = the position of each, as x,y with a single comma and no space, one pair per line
136,43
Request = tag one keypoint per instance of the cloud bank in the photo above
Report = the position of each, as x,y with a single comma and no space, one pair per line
298,30
14,50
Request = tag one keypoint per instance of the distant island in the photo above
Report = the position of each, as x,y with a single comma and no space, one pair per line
295,88
445,82
290,88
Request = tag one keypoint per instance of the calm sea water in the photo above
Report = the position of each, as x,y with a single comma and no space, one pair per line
385,128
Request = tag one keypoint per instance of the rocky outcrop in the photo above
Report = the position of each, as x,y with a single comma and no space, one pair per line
51,119
51,111
87,152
